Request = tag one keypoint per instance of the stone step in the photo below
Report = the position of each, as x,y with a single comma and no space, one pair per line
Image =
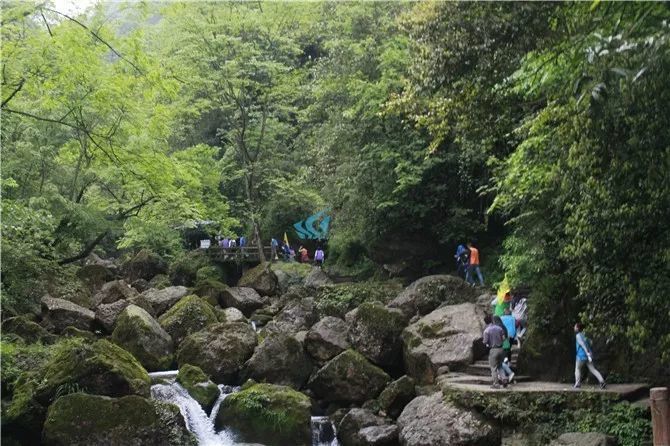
481,380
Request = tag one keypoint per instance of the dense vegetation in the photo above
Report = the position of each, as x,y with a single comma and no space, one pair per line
539,129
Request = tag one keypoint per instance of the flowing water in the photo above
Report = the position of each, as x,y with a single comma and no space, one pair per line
202,426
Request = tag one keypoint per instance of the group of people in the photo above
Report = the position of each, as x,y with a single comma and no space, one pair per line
231,242
506,326
289,254
467,263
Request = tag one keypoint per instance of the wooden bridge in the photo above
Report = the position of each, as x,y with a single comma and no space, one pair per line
246,254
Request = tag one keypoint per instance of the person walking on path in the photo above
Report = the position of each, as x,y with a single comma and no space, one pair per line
507,348
319,257
273,249
510,325
461,261
493,338
304,254
474,266
584,357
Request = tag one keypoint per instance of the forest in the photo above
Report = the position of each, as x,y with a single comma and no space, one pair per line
538,130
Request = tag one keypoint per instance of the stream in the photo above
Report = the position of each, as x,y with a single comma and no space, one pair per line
202,426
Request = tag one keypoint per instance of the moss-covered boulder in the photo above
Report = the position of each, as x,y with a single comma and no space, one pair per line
81,419
74,332
112,292
100,367
211,290
348,378
261,278
163,300
145,265
268,414
160,281
140,334
95,275
449,336
426,294
210,272
337,300
317,278
23,329
107,314
60,313
279,359
198,385
230,315
189,315
23,418
297,315
375,332
220,350
396,396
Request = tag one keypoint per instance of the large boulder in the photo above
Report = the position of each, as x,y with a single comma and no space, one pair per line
60,313
198,385
159,281
99,367
187,316
268,414
584,439
396,396
26,330
230,315
112,292
279,359
162,300
375,332
145,265
429,420
317,278
327,338
244,299
449,336
220,350
297,315
426,294
81,419
142,335
261,278
348,378
352,430
107,314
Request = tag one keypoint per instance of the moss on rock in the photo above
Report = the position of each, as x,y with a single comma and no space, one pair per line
375,332
261,278
23,329
269,414
211,290
187,316
142,335
184,270
337,300
81,419
198,385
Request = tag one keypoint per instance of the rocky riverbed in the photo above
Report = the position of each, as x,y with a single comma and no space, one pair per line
170,354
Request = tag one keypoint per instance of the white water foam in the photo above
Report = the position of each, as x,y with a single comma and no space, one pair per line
323,432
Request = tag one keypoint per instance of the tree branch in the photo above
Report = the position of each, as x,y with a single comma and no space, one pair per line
16,90
97,37
85,251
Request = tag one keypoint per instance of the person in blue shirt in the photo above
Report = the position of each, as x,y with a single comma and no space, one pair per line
584,357
461,260
273,249
243,241
510,324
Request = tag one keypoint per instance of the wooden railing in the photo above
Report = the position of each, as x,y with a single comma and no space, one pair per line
237,254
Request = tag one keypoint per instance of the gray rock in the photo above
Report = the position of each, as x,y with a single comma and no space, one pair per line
230,315
449,336
317,278
584,439
244,299
107,314
296,316
386,435
348,378
61,313
429,421
140,334
112,292
279,359
426,294
327,338
220,350
162,300
375,332
350,428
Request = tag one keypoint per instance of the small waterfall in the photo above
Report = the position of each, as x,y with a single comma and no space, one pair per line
202,426
323,432
253,325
